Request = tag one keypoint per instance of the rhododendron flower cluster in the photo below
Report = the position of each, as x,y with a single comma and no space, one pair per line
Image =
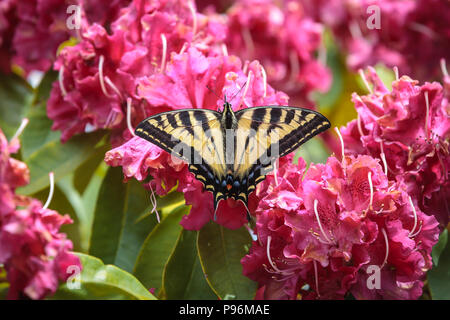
321,230
31,31
33,252
285,40
408,128
103,71
412,35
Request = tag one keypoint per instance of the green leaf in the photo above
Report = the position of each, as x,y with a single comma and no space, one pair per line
220,251
38,131
439,277
99,281
4,286
439,247
59,158
157,248
314,151
16,96
183,277
42,92
336,64
84,173
116,235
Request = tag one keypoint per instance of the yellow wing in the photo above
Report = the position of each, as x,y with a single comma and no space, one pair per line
266,133
193,135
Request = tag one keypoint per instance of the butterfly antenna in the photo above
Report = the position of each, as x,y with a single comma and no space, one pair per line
239,91
213,92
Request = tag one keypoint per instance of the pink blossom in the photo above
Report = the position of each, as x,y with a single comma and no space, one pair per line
318,232
40,30
284,40
412,35
99,75
407,128
33,252
8,22
13,174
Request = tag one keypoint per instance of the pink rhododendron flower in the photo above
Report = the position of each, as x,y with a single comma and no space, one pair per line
40,30
31,31
99,75
409,129
412,35
103,11
33,252
320,230
8,22
284,40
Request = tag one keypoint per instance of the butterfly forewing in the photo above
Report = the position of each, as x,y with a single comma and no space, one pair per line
273,132
193,135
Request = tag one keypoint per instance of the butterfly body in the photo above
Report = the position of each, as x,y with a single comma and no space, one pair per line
231,152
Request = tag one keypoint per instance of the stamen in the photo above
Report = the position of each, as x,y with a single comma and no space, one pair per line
247,85
248,41
183,48
418,231
396,72
316,277
342,142
154,203
113,86
19,131
275,172
423,29
387,247
245,68
355,30
215,211
194,18
110,119
164,52
264,75
52,189
415,218
359,126
269,239
427,115
224,49
316,202
444,68
61,81
363,77
130,127
251,232
100,75
295,67
369,177
383,158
